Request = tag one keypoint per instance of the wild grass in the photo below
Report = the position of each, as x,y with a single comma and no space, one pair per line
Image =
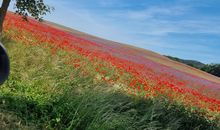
43,92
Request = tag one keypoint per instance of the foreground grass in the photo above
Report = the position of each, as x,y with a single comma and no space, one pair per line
44,93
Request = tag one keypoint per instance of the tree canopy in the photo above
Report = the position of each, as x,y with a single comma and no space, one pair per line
34,8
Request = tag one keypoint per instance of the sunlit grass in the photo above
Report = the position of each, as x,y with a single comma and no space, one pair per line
44,92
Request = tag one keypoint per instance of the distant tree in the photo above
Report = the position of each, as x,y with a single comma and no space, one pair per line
35,8
193,65
212,69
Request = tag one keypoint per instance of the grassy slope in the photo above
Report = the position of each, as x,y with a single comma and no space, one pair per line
148,54
45,93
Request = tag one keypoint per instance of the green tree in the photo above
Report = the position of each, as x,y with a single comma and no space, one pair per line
213,69
35,8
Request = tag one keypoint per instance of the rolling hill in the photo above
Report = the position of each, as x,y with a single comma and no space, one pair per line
193,63
212,68
62,78
146,54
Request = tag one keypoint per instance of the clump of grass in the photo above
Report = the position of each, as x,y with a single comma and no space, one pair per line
45,93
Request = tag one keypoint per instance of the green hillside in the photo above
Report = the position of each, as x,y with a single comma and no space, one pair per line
213,69
45,93
192,63
70,80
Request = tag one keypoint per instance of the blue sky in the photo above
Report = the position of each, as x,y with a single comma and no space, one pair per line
188,29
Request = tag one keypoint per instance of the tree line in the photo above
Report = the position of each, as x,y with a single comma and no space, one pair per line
213,69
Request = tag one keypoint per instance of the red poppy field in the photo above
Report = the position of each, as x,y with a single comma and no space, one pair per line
131,70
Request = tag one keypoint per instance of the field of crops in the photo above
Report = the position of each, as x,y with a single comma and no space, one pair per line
123,69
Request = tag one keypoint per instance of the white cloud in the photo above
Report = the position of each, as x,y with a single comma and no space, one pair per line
154,11
160,20
150,12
